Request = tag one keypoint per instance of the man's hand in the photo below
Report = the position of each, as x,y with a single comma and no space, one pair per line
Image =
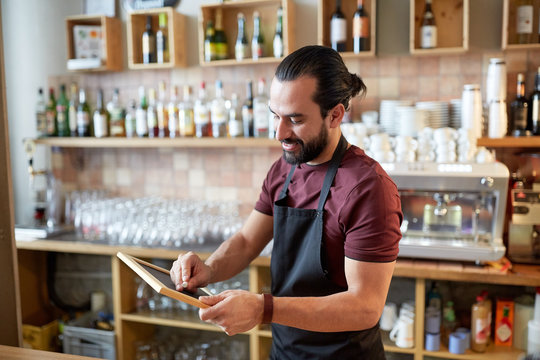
235,311
189,272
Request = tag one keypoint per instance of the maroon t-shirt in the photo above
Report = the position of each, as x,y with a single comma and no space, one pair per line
362,215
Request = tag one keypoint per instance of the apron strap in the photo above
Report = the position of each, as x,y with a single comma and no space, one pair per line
332,170
283,192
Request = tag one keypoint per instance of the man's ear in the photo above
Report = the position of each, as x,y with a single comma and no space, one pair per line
336,115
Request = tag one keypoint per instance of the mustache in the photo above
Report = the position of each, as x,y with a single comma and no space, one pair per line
292,141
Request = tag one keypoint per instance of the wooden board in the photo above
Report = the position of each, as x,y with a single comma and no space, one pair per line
159,279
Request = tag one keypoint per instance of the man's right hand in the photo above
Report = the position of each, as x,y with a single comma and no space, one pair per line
190,272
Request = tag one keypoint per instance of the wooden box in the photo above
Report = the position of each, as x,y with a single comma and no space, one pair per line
509,31
111,29
325,10
452,20
268,12
176,38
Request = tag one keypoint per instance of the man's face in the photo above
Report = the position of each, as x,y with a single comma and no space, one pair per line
302,131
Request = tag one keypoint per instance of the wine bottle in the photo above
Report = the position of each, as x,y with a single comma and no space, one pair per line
360,28
172,111
41,116
524,21
185,114
162,47
201,113
519,110
278,36
222,50
72,112
100,118
218,112
116,116
149,43
83,115
131,118
141,119
50,115
247,110
235,118
534,106
257,43
62,112
161,109
209,42
428,29
241,47
151,114
260,111
338,29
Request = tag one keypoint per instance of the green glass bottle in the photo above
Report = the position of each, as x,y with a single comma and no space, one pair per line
62,112
50,114
210,42
222,50
257,42
83,115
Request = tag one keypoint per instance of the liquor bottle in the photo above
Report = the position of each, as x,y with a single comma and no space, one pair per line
151,114
185,114
338,29
222,50
519,110
141,119
50,115
257,42
236,128
479,325
534,106
428,29
162,48
210,42
241,48
116,116
131,119
161,109
41,114
100,117
260,111
62,112
524,21
218,112
172,111
149,43
201,113
360,28
72,113
247,110
83,115
278,36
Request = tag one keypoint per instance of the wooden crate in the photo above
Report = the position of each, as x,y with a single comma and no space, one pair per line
452,19
176,38
509,35
111,35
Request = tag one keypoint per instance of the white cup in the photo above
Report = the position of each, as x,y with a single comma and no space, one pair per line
370,118
380,142
533,343
496,80
471,109
498,119
403,332
388,316
404,143
445,134
384,156
483,156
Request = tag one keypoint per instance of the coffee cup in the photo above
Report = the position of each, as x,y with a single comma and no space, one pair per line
433,341
457,343
403,332
433,322
388,316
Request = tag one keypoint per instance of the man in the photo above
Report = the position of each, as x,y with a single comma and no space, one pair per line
334,215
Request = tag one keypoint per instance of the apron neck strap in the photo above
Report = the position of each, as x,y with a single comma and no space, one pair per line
332,170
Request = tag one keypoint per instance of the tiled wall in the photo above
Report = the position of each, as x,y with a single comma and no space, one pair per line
238,173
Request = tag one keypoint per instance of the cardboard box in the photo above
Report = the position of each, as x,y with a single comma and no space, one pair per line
504,322
41,337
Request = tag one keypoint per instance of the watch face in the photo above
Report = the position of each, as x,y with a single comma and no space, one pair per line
130,5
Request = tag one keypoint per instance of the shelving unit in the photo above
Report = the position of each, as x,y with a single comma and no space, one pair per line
510,142
509,34
111,29
268,12
452,19
176,38
348,7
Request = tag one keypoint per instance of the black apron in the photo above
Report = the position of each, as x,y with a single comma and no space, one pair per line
298,270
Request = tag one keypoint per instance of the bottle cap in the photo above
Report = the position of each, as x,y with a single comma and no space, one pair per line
162,20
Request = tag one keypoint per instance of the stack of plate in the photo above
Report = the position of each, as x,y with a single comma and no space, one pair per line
410,120
438,113
455,113
387,116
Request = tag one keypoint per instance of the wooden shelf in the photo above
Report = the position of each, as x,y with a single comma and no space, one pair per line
452,19
117,142
268,11
111,29
532,142
492,352
509,35
176,38
348,7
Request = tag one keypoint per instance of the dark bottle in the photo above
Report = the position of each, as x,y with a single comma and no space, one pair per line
149,43
162,47
338,29
83,115
360,28
220,38
50,115
278,36
257,42
62,113
210,42
241,48
247,111
428,30
534,106
519,110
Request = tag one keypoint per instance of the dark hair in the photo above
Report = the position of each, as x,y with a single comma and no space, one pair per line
335,84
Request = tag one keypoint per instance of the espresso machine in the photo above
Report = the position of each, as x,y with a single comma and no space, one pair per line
451,211
524,229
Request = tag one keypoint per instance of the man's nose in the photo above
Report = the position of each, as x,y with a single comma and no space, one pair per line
283,130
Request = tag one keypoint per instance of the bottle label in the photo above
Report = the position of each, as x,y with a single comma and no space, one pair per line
524,22
338,30
141,123
201,116
235,128
187,125
481,335
209,51
50,116
260,113
360,27
240,51
256,50
278,47
152,119
117,122
219,116
61,118
173,123
72,119
428,37
100,125
504,332
83,120
41,124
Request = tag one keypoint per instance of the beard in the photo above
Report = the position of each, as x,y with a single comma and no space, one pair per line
308,150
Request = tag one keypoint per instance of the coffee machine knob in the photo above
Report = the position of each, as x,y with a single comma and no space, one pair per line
487,181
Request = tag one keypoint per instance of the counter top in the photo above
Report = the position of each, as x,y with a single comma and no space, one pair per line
17,353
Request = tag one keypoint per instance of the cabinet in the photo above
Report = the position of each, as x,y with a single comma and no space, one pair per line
111,45
175,38
509,31
348,7
268,12
452,19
